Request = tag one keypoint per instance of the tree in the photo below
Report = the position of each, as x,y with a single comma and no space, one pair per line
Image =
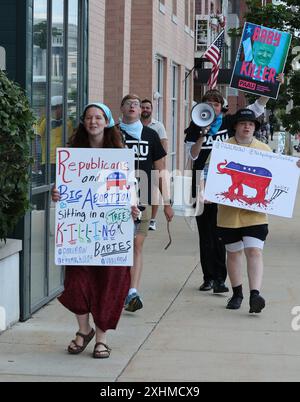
16,134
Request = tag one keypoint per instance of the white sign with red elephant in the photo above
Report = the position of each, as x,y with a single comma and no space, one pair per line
252,179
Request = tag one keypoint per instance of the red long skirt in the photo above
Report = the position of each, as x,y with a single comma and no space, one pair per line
100,291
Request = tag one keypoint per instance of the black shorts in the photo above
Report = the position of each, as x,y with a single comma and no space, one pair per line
230,235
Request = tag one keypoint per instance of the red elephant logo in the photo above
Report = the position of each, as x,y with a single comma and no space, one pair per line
254,177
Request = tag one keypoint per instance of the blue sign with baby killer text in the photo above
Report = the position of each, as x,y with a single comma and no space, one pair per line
94,225
260,60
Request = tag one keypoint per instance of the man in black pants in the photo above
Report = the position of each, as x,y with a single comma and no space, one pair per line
212,250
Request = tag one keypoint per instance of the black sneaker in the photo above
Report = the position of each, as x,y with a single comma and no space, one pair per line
133,302
257,303
220,287
234,302
206,286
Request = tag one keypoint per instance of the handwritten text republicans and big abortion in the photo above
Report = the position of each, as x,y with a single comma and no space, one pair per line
93,217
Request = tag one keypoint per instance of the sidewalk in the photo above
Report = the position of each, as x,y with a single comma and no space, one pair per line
181,334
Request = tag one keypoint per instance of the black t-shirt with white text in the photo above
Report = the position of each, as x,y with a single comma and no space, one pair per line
223,134
147,151
192,135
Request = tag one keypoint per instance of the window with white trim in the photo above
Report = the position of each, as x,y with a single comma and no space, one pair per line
192,15
174,11
174,115
186,13
187,87
187,106
202,33
174,7
158,96
162,6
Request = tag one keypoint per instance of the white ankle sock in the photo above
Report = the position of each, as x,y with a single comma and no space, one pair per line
132,290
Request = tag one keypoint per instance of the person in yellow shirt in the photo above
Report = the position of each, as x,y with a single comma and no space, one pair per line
243,230
56,134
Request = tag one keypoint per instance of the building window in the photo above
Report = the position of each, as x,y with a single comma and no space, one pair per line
39,146
162,6
174,7
174,115
192,15
73,55
187,106
174,11
39,98
187,90
57,82
58,28
186,12
159,90
202,33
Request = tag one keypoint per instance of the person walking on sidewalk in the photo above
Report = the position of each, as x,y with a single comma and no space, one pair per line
148,120
244,231
212,249
149,154
87,289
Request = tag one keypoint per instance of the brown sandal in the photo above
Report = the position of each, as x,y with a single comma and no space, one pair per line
86,340
101,354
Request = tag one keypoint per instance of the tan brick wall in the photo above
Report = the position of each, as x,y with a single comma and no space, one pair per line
117,52
125,37
96,49
155,33
171,41
141,69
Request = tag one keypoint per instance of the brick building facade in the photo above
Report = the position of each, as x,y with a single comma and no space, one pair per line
144,47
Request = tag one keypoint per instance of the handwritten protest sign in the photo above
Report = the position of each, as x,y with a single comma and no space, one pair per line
93,223
261,57
251,179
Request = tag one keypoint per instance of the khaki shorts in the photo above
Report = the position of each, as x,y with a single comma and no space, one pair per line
143,227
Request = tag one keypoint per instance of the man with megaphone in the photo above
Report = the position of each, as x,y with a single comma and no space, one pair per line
210,123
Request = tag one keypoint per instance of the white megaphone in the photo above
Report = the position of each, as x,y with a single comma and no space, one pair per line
203,115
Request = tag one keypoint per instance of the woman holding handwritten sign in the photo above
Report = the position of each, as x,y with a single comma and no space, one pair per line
90,290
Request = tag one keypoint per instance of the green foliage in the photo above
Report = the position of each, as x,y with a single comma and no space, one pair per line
16,134
273,16
40,34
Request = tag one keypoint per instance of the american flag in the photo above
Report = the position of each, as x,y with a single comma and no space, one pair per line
214,54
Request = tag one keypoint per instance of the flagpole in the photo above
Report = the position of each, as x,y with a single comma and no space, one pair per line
203,59
187,76
194,68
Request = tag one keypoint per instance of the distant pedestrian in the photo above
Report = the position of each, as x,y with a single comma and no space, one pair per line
148,120
297,147
94,290
268,131
272,132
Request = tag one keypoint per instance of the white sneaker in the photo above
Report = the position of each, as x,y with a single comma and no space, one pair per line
152,224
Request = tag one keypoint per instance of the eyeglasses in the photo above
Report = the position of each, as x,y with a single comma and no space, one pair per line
132,103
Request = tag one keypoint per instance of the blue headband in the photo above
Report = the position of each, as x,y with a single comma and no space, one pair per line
105,109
